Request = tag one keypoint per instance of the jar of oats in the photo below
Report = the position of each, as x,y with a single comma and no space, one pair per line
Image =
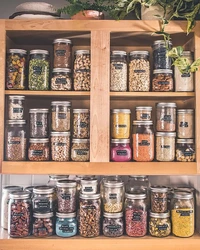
80,150
185,123
143,113
81,123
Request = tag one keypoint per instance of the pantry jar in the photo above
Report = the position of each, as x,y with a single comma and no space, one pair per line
80,150
159,199
84,177
66,224
185,150
88,185
159,224
81,123
138,183
16,107
120,150
118,71
143,141
61,79
62,53
185,123
161,60
43,224
38,149
54,178
113,224
143,113
162,80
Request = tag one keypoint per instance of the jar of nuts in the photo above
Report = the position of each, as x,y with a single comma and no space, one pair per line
81,123
61,79
38,149
159,199
161,60
16,107
62,53
162,80
143,113
80,150
159,224
113,224
185,123
185,150
43,224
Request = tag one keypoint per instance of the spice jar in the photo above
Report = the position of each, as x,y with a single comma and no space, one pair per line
139,71
16,107
61,79
60,146
143,141
81,123
19,214
120,123
161,60
62,53
118,71
66,224
185,150
80,150
43,224
162,80
165,146
159,199
166,117
185,123
90,211
136,214
38,149
159,224
120,150
16,69
15,136
88,185
143,113
113,224
38,70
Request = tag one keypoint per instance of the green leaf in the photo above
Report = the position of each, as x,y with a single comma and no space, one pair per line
195,65
176,52
183,64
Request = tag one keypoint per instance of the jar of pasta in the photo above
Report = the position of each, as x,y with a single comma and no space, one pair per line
159,224
185,150
80,150
81,123
159,199
185,123
143,113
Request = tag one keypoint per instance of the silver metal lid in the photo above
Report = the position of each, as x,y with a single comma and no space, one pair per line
139,52
138,176
39,140
89,181
16,97
20,195
63,215
18,51
185,111
128,111
29,189
146,108
135,196
184,189
183,195
60,133
160,215
62,40
166,134
142,122
120,141
113,215
163,42
61,70
113,183
89,196
80,140
61,103
118,52
162,189
81,110
167,104
188,141
9,189
66,183
39,51
58,177
43,215
38,111
43,190
16,122
78,52
162,71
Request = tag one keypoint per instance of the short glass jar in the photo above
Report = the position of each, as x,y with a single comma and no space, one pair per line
159,199
162,80
137,183
113,224
62,53
81,123
88,185
185,123
120,150
16,107
143,113
61,79
43,224
185,150
159,224
80,150
54,178
38,149
66,224
83,177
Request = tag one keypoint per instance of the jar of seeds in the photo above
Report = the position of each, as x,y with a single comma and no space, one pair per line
185,150
62,53
80,150
159,199
61,79
113,224
43,224
162,80
185,123
16,107
160,58
38,149
81,123
160,224
60,146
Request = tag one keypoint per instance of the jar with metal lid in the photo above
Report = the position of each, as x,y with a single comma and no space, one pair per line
159,199
161,60
43,224
185,123
120,123
66,224
118,71
54,178
166,117
39,123
80,150
82,66
16,69
90,211
165,146
139,71
60,112
61,79
83,177
88,185
19,214
120,150
182,214
66,194
15,136
62,53
38,149
29,189
185,150
113,224
81,123
39,70
16,107
162,80
159,224
185,189
143,141
143,113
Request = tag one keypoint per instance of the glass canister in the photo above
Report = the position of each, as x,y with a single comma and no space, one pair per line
137,183
66,224
120,123
88,185
185,150
120,150
38,70
185,123
83,177
159,199
62,53
61,79
118,71
43,224
54,178
15,136
143,113
143,141
16,69
159,224
139,71
136,214
113,224
162,80
82,66
38,149
81,123
80,150
16,107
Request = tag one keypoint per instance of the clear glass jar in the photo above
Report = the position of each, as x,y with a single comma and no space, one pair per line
80,150
90,211
81,123
159,199
136,214
143,113
61,79
62,53
16,107
120,123
66,224
38,149
182,214
39,119
185,123
43,224
162,80
16,69
160,58
82,66
30,190
137,183
139,71
143,141
38,70
60,112
185,150
88,185
170,194
113,224
19,214
166,117
54,178
120,150
15,135
159,224
83,177
118,71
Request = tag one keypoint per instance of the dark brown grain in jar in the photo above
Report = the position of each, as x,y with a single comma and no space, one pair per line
159,199
62,53
162,80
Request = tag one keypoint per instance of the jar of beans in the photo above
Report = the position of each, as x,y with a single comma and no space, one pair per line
38,149
113,224
185,150
16,107
161,60
159,199
120,150
159,224
81,123
185,123
88,185
61,79
143,113
162,80
62,53
43,224
66,224
80,150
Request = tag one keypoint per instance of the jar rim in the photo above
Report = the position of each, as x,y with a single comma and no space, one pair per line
82,51
20,195
8,189
64,215
38,111
61,103
160,215
89,196
55,177
146,108
81,110
183,195
43,190
164,71
155,188
118,52
39,51
167,104
38,140
139,52
68,133
66,183
120,141
113,215
169,134
61,70
135,196
185,110
128,111
43,215
113,183
184,189
16,122
62,40
18,51
189,141
89,182
162,42
16,97
80,140
142,122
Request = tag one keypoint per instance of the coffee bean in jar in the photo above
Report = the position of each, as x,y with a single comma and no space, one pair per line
159,199
60,146
62,53
61,79
43,224
80,150
161,60
38,149
81,123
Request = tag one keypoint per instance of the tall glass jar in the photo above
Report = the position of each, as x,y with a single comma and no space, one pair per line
80,150
159,199
62,53
162,80
43,224
120,150
81,123
113,224
66,224
16,107
159,224
185,150
38,149
61,79
185,123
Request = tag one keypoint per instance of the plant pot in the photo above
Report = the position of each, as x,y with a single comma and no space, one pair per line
148,13
88,15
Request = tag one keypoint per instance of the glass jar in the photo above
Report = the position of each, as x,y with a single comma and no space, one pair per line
185,150
185,123
136,214
137,183
182,214
15,136
161,60
143,141
83,177
16,69
66,224
54,178
39,119
113,224
139,71
60,146
159,224
60,112
30,190
43,224
143,113
120,123
162,80
61,79
165,146
120,150
38,149
81,123
118,71
166,117
82,66
80,150
88,185
62,53
16,107
38,70
90,211
19,214
159,199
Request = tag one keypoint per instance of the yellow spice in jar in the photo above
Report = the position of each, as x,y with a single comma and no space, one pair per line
120,125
